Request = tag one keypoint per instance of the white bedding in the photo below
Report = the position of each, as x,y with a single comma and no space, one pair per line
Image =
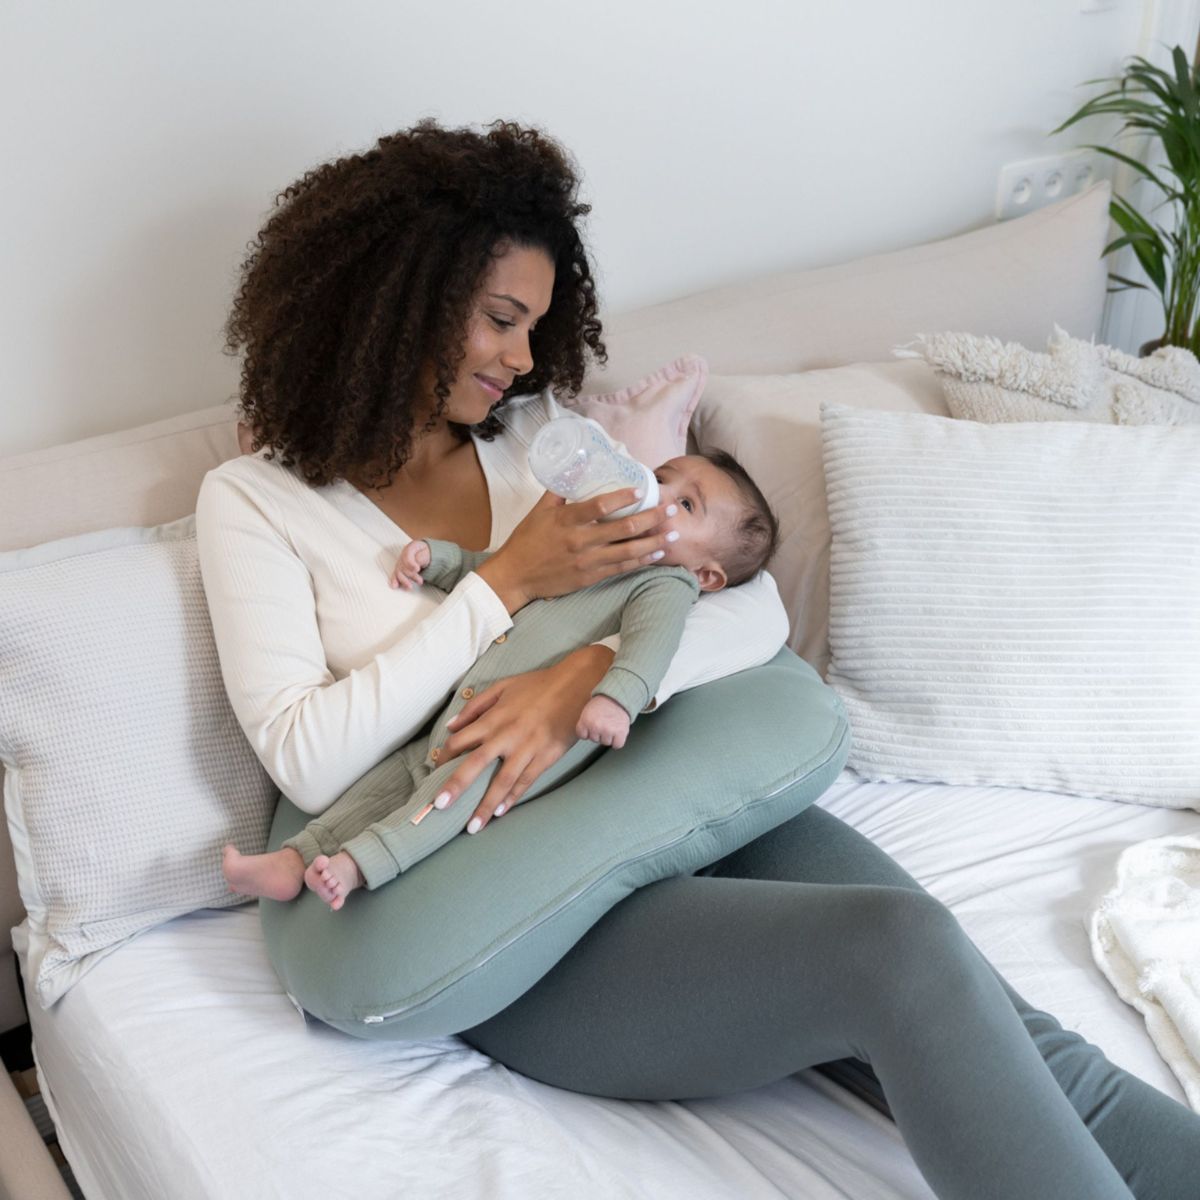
178,1068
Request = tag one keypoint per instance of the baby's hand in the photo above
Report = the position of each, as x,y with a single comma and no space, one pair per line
603,720
414,558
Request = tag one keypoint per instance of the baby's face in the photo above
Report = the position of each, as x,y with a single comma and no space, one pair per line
709,504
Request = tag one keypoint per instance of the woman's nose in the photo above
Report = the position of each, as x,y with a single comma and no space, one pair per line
517,356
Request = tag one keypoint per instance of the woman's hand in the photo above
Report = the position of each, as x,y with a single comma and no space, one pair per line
559,547
526,720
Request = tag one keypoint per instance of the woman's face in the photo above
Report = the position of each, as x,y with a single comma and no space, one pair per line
514,297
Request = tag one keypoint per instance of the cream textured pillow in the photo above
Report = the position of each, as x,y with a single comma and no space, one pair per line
651,416
1016,604
987,380
771,424
126,770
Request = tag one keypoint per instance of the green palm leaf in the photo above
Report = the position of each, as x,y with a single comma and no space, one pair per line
1159,107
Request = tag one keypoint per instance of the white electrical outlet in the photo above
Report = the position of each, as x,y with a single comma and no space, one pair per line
1035,182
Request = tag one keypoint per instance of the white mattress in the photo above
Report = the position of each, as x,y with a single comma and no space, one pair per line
177,1067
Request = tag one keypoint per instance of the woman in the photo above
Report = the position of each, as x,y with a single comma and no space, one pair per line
391,305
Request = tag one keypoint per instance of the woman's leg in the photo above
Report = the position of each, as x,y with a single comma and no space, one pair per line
1151,1139
702,986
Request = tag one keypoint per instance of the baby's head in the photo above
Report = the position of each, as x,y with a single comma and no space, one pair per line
727,531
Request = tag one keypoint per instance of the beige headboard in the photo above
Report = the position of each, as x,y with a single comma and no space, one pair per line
1013,280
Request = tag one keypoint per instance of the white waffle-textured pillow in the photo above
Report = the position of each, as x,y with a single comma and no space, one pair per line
1017,604
125,767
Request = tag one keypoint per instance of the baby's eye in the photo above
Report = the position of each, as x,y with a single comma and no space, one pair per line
687,504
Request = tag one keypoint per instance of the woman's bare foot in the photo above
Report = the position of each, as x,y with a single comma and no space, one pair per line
278,875
333,879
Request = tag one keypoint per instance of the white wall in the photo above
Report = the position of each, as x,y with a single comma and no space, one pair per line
144,139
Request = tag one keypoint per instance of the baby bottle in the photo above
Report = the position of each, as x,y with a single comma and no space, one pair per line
573,458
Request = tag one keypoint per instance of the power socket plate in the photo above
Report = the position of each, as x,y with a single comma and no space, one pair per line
1036,182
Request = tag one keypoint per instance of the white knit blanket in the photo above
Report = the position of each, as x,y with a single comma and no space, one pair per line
1146,939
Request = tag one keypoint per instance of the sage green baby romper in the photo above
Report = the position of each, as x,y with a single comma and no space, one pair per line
385,820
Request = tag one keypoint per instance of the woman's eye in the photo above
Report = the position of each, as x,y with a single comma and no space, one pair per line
500,323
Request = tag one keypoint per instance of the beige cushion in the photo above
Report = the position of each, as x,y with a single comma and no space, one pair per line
143,476
772,425
1014,280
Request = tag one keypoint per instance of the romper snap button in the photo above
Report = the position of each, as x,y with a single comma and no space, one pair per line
502,638
467,693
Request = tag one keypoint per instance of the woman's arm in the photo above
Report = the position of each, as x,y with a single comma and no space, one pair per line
315,735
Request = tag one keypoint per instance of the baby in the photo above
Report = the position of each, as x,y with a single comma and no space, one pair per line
392,816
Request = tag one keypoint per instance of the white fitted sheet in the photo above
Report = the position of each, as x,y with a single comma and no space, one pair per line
178,1068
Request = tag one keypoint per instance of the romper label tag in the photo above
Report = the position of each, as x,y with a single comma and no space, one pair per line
419,817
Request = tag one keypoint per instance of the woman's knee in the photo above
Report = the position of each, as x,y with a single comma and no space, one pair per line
906,948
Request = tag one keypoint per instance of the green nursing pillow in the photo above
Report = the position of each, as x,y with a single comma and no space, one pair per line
469,929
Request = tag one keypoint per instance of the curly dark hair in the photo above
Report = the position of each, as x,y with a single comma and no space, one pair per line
366,274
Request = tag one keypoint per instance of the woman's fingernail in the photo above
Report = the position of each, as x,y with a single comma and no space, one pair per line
672,509
475,825
500,809
657,555
673,536
442,800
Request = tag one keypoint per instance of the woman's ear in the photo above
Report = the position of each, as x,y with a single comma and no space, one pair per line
245,438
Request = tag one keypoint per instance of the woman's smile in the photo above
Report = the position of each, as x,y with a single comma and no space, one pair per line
493,387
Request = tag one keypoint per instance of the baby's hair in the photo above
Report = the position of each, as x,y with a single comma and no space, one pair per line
754,537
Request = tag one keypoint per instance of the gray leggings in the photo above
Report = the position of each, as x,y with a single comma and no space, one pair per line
811,945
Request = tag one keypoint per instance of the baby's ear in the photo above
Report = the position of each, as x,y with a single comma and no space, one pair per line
711,577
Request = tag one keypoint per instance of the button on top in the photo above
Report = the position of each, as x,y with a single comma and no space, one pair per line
502,638
467,693
435,754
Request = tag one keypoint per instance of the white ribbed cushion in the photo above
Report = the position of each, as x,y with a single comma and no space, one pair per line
125,768
1017,604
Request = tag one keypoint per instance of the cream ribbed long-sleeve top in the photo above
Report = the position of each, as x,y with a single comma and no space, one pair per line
329,669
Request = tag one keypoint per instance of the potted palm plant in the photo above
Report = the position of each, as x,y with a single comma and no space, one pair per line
1163,106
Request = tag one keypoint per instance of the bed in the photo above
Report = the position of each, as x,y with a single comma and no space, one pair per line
177,1066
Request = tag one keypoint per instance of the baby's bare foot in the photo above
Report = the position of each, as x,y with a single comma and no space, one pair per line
333,879
278,875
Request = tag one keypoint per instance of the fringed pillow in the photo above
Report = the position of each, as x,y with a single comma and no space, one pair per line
998,382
